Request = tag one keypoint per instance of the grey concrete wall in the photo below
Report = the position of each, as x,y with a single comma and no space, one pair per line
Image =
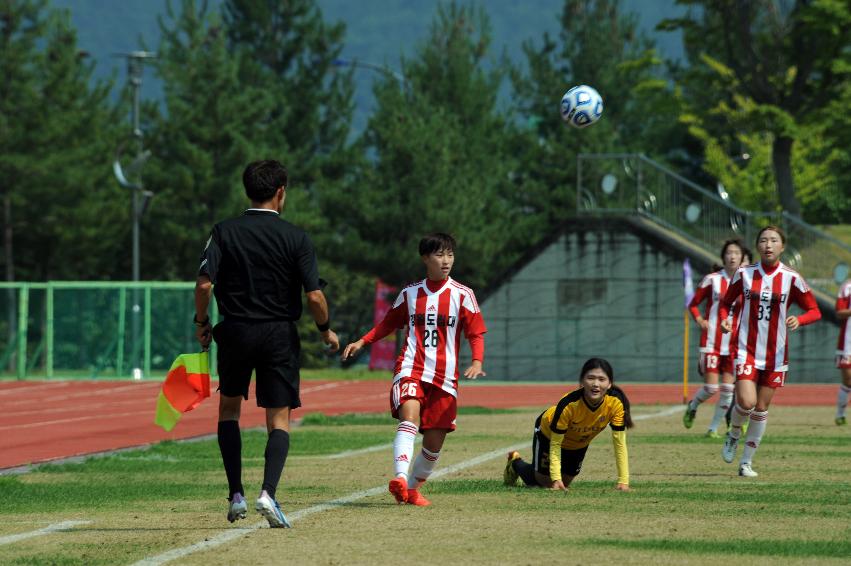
613,294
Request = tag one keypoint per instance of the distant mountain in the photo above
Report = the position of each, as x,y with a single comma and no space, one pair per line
377,31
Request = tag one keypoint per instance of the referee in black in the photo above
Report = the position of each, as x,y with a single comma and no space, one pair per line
256,265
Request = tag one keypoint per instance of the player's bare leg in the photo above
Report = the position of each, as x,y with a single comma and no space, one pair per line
403,448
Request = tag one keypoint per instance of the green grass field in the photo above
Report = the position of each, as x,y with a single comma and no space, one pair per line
686,505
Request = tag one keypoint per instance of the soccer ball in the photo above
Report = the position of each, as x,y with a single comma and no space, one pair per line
581,106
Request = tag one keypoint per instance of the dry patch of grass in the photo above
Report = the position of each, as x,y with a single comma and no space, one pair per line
687,506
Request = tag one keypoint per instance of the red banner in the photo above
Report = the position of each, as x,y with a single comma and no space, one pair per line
383,353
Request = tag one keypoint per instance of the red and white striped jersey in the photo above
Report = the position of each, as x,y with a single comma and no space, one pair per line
435,320
711,289
843,301
766,297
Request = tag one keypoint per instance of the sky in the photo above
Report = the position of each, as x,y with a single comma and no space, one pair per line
373,34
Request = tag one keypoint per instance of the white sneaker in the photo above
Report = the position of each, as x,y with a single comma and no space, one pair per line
746,471
728,451
237,507
270,509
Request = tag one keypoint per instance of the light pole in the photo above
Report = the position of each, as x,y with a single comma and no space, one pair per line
372,66
140,196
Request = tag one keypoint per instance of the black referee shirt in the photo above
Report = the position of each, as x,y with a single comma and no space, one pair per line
258,264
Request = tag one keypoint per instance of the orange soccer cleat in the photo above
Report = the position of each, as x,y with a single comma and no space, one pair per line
399,488
416,498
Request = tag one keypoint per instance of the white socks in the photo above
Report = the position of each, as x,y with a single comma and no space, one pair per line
737,419
842,400
759,419
403,447
724,400
423,467
704,393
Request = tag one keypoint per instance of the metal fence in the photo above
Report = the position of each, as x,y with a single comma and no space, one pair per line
94,329
626,183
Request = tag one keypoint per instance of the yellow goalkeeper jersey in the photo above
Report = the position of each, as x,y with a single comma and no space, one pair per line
572,424
578,421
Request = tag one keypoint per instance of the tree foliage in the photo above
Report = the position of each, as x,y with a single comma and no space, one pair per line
439,161
56,137
599,45
763,71
210,126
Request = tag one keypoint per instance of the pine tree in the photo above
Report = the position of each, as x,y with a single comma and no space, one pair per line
438,161
598,45
56,144
763,70
210,127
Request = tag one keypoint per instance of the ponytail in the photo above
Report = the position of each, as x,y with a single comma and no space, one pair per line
618,393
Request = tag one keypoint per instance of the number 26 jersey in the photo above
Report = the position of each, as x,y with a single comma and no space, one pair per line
435,314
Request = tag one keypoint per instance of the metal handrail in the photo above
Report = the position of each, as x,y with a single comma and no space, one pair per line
641,186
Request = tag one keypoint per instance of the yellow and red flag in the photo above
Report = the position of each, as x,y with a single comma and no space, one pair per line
185,386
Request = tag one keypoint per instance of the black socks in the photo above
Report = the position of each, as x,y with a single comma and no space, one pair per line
277,448
230,445
525,471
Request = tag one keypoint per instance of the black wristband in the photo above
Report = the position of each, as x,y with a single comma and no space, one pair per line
324,327
197,322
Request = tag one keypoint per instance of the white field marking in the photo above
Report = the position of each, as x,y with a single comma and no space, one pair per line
331,385
56,527
74,420
30,388
366,450
235,533
663,413
132,402
80,407
352,400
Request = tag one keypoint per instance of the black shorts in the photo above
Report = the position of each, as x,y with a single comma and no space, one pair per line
571,460
271,349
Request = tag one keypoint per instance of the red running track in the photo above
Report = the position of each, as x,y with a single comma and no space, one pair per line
42,421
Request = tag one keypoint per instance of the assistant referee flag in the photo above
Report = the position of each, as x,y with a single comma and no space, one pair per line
185,386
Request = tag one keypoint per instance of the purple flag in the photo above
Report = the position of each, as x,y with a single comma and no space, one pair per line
688,286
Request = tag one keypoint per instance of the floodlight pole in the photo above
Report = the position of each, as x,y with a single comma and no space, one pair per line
384,69
135,65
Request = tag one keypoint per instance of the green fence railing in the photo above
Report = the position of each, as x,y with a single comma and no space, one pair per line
628,183
67,329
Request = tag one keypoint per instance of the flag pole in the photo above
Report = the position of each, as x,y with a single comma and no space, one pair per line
685,357
688,288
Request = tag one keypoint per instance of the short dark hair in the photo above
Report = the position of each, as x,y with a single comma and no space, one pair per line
614,391
435,242
262,178
775,229
732,242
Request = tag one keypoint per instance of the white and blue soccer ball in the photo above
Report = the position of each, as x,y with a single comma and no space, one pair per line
581,106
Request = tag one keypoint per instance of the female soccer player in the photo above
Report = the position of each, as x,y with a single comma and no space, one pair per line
715,352
766,289
843,351
564,431
423,397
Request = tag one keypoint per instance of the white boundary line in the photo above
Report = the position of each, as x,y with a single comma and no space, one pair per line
232,534
56,527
